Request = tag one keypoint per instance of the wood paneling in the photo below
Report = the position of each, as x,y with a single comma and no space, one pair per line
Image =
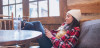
73,2
51,26
86,6
63,8
48,20
90,17
25,9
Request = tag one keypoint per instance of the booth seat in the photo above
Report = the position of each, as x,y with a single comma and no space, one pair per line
89,35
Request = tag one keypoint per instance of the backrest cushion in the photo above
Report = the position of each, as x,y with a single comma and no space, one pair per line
90,34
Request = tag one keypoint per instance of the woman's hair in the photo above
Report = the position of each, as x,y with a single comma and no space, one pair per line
73,24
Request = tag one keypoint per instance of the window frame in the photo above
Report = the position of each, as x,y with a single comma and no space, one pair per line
15,4
47,7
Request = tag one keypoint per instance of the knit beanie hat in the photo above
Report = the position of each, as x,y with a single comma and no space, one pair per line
76,13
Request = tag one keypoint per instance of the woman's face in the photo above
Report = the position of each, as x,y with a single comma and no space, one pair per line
69,18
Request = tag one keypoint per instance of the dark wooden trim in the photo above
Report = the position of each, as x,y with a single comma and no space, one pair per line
15,8
25,9
1,9
12,4
38,9
63,8
48,7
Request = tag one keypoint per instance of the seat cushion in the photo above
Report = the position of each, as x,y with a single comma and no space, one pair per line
90,34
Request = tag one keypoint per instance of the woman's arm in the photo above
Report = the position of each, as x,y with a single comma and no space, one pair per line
69,40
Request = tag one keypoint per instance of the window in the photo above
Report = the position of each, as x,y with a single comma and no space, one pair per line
44,8
14,6
54,8
19,10
5,10
11,9
33,10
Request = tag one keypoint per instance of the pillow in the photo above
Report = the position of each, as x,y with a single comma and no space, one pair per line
90,34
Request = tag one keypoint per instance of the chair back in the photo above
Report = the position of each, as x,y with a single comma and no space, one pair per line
6,22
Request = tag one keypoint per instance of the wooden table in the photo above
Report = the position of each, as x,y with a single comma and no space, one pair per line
11,37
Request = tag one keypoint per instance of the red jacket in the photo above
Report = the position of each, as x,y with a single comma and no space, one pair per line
69,40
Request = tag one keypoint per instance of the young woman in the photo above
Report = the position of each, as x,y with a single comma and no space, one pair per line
65,36
68,33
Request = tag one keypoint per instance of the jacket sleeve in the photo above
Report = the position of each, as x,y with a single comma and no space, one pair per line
69,40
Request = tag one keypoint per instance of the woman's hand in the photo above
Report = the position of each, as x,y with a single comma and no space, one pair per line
48,33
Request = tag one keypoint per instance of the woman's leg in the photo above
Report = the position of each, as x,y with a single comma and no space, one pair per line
38,26
29,26
44,42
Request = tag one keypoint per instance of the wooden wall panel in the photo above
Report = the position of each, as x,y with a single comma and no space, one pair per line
86,6
51,26
73,2
25,9
50,20
63,8
90,17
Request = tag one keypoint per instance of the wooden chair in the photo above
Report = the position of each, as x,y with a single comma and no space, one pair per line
6,24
